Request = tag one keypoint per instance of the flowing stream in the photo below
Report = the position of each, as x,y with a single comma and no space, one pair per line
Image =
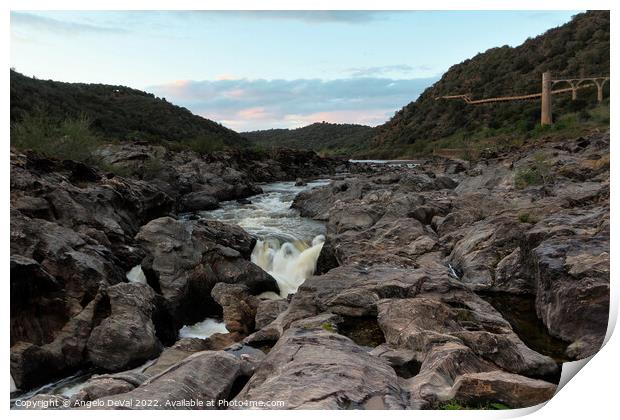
287,247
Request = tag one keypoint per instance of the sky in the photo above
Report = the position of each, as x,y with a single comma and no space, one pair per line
252,70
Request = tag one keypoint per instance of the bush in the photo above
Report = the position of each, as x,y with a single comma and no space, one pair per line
70,139
537,173
455,405
527,218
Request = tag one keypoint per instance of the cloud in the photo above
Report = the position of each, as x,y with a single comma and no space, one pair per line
57,26
244,104
307,16
386,70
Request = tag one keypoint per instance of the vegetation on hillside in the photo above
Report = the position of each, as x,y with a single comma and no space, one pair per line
324,138
114,112
580,47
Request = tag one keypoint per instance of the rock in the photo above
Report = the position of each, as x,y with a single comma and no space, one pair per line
573,271
238,304
188,346
33,364
420,324
313,368
268,310
300,182
439,369
515,391
127,336
491,245
327,259
187,258
100,386
183,385
198,200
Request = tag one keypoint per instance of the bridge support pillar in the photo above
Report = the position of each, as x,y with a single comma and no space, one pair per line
545,100
599,89
573,85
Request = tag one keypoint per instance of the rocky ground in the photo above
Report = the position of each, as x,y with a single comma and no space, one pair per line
402,311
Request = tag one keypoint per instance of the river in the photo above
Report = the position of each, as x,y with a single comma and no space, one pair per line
287,247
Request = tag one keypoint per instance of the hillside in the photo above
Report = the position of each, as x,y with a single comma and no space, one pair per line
326,138
580,47
115,112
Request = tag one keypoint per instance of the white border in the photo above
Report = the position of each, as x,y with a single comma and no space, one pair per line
591,395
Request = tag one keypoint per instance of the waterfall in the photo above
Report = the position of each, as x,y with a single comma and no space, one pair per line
290,263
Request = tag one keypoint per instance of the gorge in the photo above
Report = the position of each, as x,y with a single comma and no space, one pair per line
404,309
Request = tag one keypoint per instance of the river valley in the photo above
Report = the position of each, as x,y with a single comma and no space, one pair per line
358,285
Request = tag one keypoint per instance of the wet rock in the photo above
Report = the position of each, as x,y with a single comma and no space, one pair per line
327,259
33,364
489,246
185,347
439,370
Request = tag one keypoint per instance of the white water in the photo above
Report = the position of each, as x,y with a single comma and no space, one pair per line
288,249
288,245
203,329
136,275
290,263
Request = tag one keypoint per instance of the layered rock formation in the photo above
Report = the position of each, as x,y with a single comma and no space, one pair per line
404,310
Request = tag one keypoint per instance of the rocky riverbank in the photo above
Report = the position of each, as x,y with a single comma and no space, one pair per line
399,314
76,231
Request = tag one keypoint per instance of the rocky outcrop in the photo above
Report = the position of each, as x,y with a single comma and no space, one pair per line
238,305
200,381
74,237
199,181
412,247
126,337
515,391
318,369
187,258
403,311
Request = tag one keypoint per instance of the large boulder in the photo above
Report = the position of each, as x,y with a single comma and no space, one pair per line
238,305
572,273
187,258
127,336
200,381
312,367
515,391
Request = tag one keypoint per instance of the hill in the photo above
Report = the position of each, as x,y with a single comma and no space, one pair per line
325,138
115,112
580,47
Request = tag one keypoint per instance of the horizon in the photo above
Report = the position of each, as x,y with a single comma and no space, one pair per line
287,69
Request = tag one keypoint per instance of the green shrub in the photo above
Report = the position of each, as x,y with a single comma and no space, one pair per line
537,173
153,168
527,218
455,405
70,139
327,326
